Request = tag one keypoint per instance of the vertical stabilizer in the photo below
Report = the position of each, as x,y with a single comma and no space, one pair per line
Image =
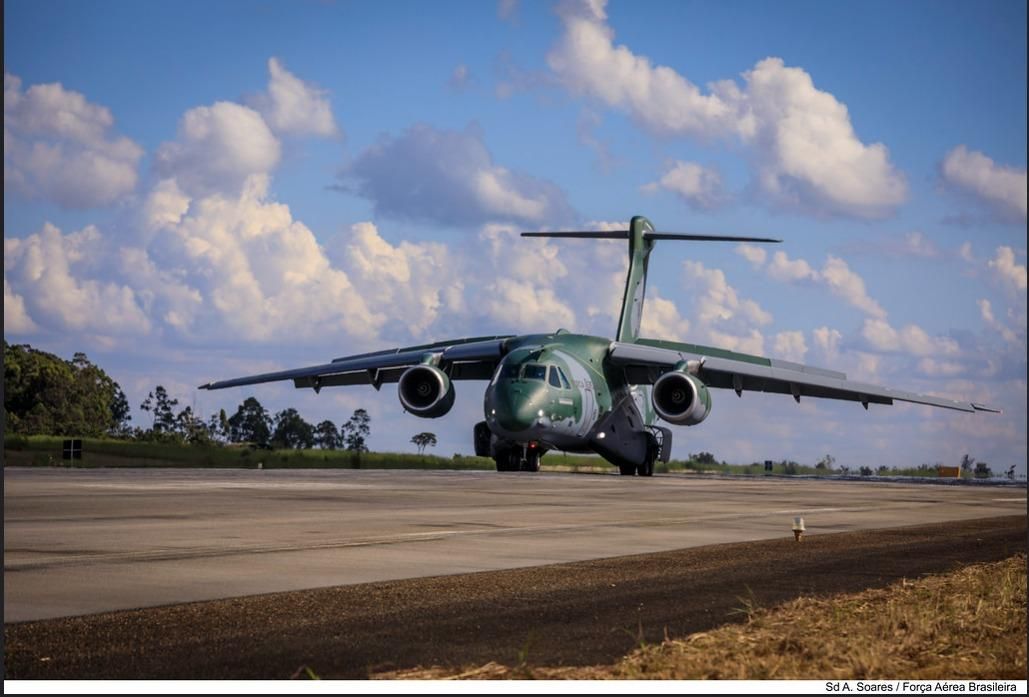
642,237
640,246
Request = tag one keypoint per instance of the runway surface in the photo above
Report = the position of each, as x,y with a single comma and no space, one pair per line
87,541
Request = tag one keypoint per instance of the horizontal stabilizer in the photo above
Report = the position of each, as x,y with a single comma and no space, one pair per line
704,238
584,234
624,235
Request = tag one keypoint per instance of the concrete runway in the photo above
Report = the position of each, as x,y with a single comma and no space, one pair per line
86,541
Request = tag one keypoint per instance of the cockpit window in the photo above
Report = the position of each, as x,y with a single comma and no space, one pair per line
554,379
534,371
564,380
510,371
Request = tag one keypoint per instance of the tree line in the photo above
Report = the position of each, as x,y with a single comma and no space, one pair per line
47,395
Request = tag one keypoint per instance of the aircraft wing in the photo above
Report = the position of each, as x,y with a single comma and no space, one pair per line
464,359
646,360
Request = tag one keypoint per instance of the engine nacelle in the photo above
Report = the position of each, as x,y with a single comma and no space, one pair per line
681,399
426,391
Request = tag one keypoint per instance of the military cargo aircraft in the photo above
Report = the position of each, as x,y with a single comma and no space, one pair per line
581,393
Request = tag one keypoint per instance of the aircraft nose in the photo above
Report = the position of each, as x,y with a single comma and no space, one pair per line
515,405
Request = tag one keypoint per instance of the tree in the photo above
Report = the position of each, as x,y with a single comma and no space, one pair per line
46,395
218,426
250,423
291,431
826,462
967,462
326,435
355,431
162,407
983,471
191,428
424,440
704,458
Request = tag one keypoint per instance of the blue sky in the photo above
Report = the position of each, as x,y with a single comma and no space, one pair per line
201,190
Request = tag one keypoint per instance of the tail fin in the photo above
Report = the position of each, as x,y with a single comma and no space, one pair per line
641,236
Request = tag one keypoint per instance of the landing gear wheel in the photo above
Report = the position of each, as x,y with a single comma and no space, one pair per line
646,469
508,460
531,463
627,470
653,450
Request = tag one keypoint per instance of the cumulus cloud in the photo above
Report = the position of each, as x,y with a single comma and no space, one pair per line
752,253
805,152
661,319
450,177
1001,188
1011,274
850,286
16,317
911,339
60,147
61,285
408,281
293,106
790,346
721,315
218,148
700,187
828,341
986,311
782,268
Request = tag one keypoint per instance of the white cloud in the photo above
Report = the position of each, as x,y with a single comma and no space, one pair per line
718,301
850,286
752,253
218,148
449,177
59,146
700,187
986,311
16,317
790,346
293,106
661,319
911,339
782,268
804,149
935,368
1002,188
526,307
828,341
62,285
1011,273
409,282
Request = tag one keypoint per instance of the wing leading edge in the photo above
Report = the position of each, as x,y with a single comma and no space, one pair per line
464,359
647,360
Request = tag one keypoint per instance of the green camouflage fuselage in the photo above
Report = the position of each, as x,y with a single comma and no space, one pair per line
552,388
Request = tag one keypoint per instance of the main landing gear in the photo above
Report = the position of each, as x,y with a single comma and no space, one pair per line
654,453
517,458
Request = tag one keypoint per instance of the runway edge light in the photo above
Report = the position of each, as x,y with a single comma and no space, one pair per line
798,528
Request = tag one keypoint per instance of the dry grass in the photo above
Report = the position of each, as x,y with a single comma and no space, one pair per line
969,624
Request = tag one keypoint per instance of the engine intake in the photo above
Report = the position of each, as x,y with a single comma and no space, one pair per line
426,391
681,399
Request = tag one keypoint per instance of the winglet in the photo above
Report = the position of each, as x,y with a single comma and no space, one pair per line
983,407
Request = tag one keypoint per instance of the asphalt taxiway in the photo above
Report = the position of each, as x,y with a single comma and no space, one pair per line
86,541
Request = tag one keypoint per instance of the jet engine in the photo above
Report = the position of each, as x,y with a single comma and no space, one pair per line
426,391
681,398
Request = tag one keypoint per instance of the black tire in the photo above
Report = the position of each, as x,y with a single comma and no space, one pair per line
508,460
646,469
627,470
531,463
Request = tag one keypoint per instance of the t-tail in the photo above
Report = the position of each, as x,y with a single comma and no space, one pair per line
642,237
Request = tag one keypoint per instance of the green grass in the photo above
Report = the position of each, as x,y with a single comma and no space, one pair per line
42,451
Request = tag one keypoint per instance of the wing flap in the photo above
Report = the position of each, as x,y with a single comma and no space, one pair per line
645,362
467,359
